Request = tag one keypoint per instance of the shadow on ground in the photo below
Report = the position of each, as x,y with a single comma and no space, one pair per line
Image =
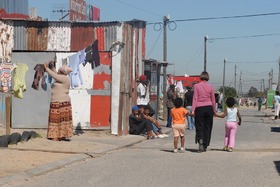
277,166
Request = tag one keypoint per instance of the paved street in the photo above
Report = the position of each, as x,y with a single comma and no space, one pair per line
254,162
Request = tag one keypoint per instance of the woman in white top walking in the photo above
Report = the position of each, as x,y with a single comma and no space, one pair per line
231,124
276,101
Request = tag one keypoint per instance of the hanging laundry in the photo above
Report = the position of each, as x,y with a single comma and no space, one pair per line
179,86
6,69
82,56
92,55
39,74
19,80
75,75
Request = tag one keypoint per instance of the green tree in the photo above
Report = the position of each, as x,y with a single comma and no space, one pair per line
253,92
229,91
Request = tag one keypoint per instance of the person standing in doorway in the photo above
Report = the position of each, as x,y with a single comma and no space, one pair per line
204,108
143,94
60,125
171,95
188,106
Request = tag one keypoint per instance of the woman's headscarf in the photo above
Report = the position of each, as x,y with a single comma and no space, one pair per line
65,69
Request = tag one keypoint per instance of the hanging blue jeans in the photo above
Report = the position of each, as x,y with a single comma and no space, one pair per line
191,124
169,117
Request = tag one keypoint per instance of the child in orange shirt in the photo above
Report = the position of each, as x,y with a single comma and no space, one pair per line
178,123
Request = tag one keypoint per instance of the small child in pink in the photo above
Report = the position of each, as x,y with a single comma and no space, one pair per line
231,124
178,123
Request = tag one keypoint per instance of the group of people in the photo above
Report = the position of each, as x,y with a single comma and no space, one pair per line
141,119
200,108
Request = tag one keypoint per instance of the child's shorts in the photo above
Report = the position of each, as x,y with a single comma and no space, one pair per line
178,129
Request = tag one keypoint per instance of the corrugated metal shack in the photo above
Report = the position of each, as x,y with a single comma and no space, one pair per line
122,49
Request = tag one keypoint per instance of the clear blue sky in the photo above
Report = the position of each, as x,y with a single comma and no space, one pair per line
186,43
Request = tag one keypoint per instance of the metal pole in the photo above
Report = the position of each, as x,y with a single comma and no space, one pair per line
165,19
224,83
279,76
205,53
235,77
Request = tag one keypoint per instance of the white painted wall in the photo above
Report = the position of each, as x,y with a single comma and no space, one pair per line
80,96
116,76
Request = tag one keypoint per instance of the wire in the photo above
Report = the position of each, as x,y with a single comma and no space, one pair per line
252,62
141,9
222,17
154,44
227,17
199,50
238,37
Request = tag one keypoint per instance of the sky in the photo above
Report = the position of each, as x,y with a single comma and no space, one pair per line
252,44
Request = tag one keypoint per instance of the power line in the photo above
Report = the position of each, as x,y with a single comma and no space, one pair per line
246,62
141,9
154,44
227,17
239,37
223,17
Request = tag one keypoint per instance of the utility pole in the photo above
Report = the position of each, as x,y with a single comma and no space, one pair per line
235,77
271,78
224,83
263,85
240,85
279,75
205,53
165,20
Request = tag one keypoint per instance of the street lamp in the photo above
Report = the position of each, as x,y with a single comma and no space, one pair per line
224,82
205,47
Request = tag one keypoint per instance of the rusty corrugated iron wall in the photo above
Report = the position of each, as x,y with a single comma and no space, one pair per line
20,35
51,36
6,39
110,36
99,35
131,58
37,35
82,35
59,36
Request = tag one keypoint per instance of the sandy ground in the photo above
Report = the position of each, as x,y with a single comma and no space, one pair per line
21,161
39,151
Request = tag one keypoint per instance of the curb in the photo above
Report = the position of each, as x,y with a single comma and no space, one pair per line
60,164
65,162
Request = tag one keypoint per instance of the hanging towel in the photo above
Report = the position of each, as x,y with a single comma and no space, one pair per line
6,69
19,80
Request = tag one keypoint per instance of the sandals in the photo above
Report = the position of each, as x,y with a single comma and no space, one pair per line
225,148
229,149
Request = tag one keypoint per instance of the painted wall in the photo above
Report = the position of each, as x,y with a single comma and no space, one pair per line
126,65
31,111
116,69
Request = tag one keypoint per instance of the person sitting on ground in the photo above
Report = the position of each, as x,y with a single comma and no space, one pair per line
145,112
179,123
137,125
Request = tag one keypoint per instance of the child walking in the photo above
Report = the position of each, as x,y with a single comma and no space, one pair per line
178,123
231,124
